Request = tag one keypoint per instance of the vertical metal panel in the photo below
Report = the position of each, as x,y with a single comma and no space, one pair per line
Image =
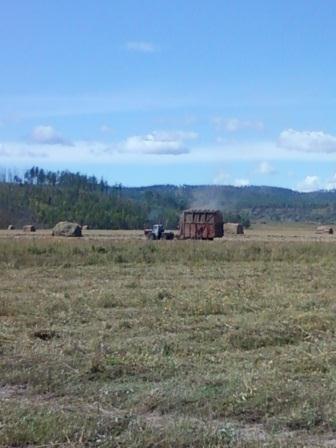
201,224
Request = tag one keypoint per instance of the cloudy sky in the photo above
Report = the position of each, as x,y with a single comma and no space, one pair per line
181,91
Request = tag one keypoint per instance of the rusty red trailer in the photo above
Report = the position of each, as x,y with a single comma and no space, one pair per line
203,224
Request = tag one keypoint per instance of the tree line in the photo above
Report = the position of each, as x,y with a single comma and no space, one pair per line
43,198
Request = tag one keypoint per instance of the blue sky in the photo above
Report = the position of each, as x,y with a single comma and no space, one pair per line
186,91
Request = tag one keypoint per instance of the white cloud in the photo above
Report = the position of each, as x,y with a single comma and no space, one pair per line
175,135
131,150
265,168
242,182
157,143
80,151
331,183
105,129
309,183
307,141
141,47
235,124
221,178
46,135
20,151
4,151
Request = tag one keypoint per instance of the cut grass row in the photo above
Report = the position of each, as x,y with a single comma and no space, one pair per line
179,344
73,252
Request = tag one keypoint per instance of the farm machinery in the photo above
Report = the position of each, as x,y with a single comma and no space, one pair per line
157,232
195,224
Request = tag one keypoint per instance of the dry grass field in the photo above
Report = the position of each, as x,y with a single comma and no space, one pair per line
113,341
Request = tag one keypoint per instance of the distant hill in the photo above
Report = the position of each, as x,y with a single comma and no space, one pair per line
44,198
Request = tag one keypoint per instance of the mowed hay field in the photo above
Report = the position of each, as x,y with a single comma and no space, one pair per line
128,343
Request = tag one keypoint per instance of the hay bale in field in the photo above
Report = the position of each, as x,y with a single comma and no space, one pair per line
69,229
11,227
324,229
29,228
85,227
233,228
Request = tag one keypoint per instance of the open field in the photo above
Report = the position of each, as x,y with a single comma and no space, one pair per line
113,341
258,232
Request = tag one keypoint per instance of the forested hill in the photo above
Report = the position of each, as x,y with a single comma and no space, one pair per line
44,198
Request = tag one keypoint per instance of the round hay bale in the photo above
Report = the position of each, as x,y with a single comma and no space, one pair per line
68,229
11,227
85,227
29,228
233,228
324,229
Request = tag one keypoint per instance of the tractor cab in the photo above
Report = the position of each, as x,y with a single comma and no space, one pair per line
157,232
